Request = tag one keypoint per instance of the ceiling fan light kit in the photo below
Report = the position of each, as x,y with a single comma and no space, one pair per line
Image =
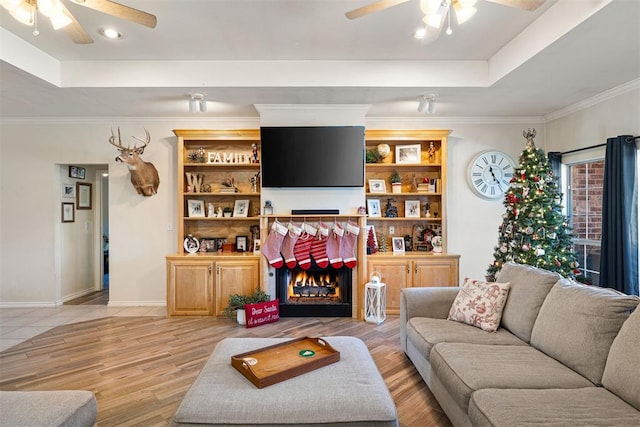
26,12
436,11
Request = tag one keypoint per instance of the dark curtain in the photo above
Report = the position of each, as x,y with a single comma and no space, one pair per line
555,161
619,260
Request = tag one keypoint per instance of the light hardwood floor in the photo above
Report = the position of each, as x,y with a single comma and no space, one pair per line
141,367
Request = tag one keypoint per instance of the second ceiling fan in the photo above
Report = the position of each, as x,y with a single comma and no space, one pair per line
436,11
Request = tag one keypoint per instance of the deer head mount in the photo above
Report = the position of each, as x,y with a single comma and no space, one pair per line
144,176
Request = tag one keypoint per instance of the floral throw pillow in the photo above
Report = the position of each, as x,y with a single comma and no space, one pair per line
480,304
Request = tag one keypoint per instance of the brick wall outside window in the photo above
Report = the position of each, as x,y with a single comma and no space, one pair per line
585,215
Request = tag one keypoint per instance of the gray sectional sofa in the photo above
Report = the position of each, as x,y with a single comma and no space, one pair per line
565,354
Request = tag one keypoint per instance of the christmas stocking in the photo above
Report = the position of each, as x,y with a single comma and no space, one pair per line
333,246
348,245
319,246
303,246
289,243
273,243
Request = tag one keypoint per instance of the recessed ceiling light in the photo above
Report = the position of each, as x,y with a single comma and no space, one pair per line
110,33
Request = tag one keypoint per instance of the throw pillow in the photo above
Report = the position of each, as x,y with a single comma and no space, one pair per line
480,304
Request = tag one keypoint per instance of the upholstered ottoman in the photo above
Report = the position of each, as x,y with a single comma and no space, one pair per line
350,392
68,408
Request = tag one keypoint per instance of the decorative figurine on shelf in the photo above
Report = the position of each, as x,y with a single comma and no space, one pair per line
206,188
432,153
408,244
255,236
362,210
427,213
414,184
390,211
436,241
210,211
254,180
268,208
201,154
254,153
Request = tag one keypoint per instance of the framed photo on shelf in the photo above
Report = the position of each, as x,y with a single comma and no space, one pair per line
242,243
408,154
377,186
241,209
373,208
412,208
68,212
210,244
398,245
256,247
195,208
68,191
83,195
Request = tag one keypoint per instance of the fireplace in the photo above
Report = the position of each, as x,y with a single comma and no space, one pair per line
316,292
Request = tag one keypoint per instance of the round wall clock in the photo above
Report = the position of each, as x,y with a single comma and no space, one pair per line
489,174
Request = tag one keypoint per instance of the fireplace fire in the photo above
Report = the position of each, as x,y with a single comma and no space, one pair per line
314,292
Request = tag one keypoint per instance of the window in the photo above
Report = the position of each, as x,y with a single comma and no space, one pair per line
584,205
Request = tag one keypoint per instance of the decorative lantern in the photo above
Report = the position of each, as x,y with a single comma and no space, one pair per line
375,300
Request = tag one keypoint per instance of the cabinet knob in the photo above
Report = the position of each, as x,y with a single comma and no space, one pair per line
408,269
415,269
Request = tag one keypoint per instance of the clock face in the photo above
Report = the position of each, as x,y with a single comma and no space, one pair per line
489,174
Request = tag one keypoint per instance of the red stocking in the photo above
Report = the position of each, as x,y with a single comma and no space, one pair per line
333,246
348,245
271,247
319,246
289,243
303,246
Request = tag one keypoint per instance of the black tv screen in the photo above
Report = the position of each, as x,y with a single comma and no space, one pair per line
331,156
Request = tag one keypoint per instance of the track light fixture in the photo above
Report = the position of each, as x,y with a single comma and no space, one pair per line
427,103
197,102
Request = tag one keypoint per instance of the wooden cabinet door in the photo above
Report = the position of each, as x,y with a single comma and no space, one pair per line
435,272
395,273
190,288
235,277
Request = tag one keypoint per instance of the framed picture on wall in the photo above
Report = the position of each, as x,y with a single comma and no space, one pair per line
68,212
83,195
77,172
68,191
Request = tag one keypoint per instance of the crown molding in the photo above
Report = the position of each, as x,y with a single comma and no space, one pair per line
212,122
594,100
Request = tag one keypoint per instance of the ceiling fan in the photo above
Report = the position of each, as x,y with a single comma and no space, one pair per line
26,12
436,11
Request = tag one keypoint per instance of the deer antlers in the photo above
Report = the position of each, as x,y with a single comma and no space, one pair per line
119,146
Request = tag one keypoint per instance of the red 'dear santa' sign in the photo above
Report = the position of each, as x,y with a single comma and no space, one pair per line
262,313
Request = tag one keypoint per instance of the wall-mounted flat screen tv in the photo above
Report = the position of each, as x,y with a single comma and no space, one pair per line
331,156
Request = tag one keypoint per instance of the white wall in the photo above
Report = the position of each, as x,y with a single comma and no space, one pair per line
139,235
75,254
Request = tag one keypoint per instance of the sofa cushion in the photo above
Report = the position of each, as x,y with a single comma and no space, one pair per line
529,287
591,406
463,368
577,324
622,371
425,332
479,304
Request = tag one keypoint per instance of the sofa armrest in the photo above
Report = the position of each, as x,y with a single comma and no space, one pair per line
426,302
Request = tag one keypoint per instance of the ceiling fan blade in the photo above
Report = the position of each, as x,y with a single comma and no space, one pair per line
120,11
74,30
373,7
520,4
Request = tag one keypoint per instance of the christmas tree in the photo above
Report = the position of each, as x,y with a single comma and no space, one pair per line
534,230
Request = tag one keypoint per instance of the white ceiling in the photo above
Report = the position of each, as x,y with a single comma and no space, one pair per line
504,62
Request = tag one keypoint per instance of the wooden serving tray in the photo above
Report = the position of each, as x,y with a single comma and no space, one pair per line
276,363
